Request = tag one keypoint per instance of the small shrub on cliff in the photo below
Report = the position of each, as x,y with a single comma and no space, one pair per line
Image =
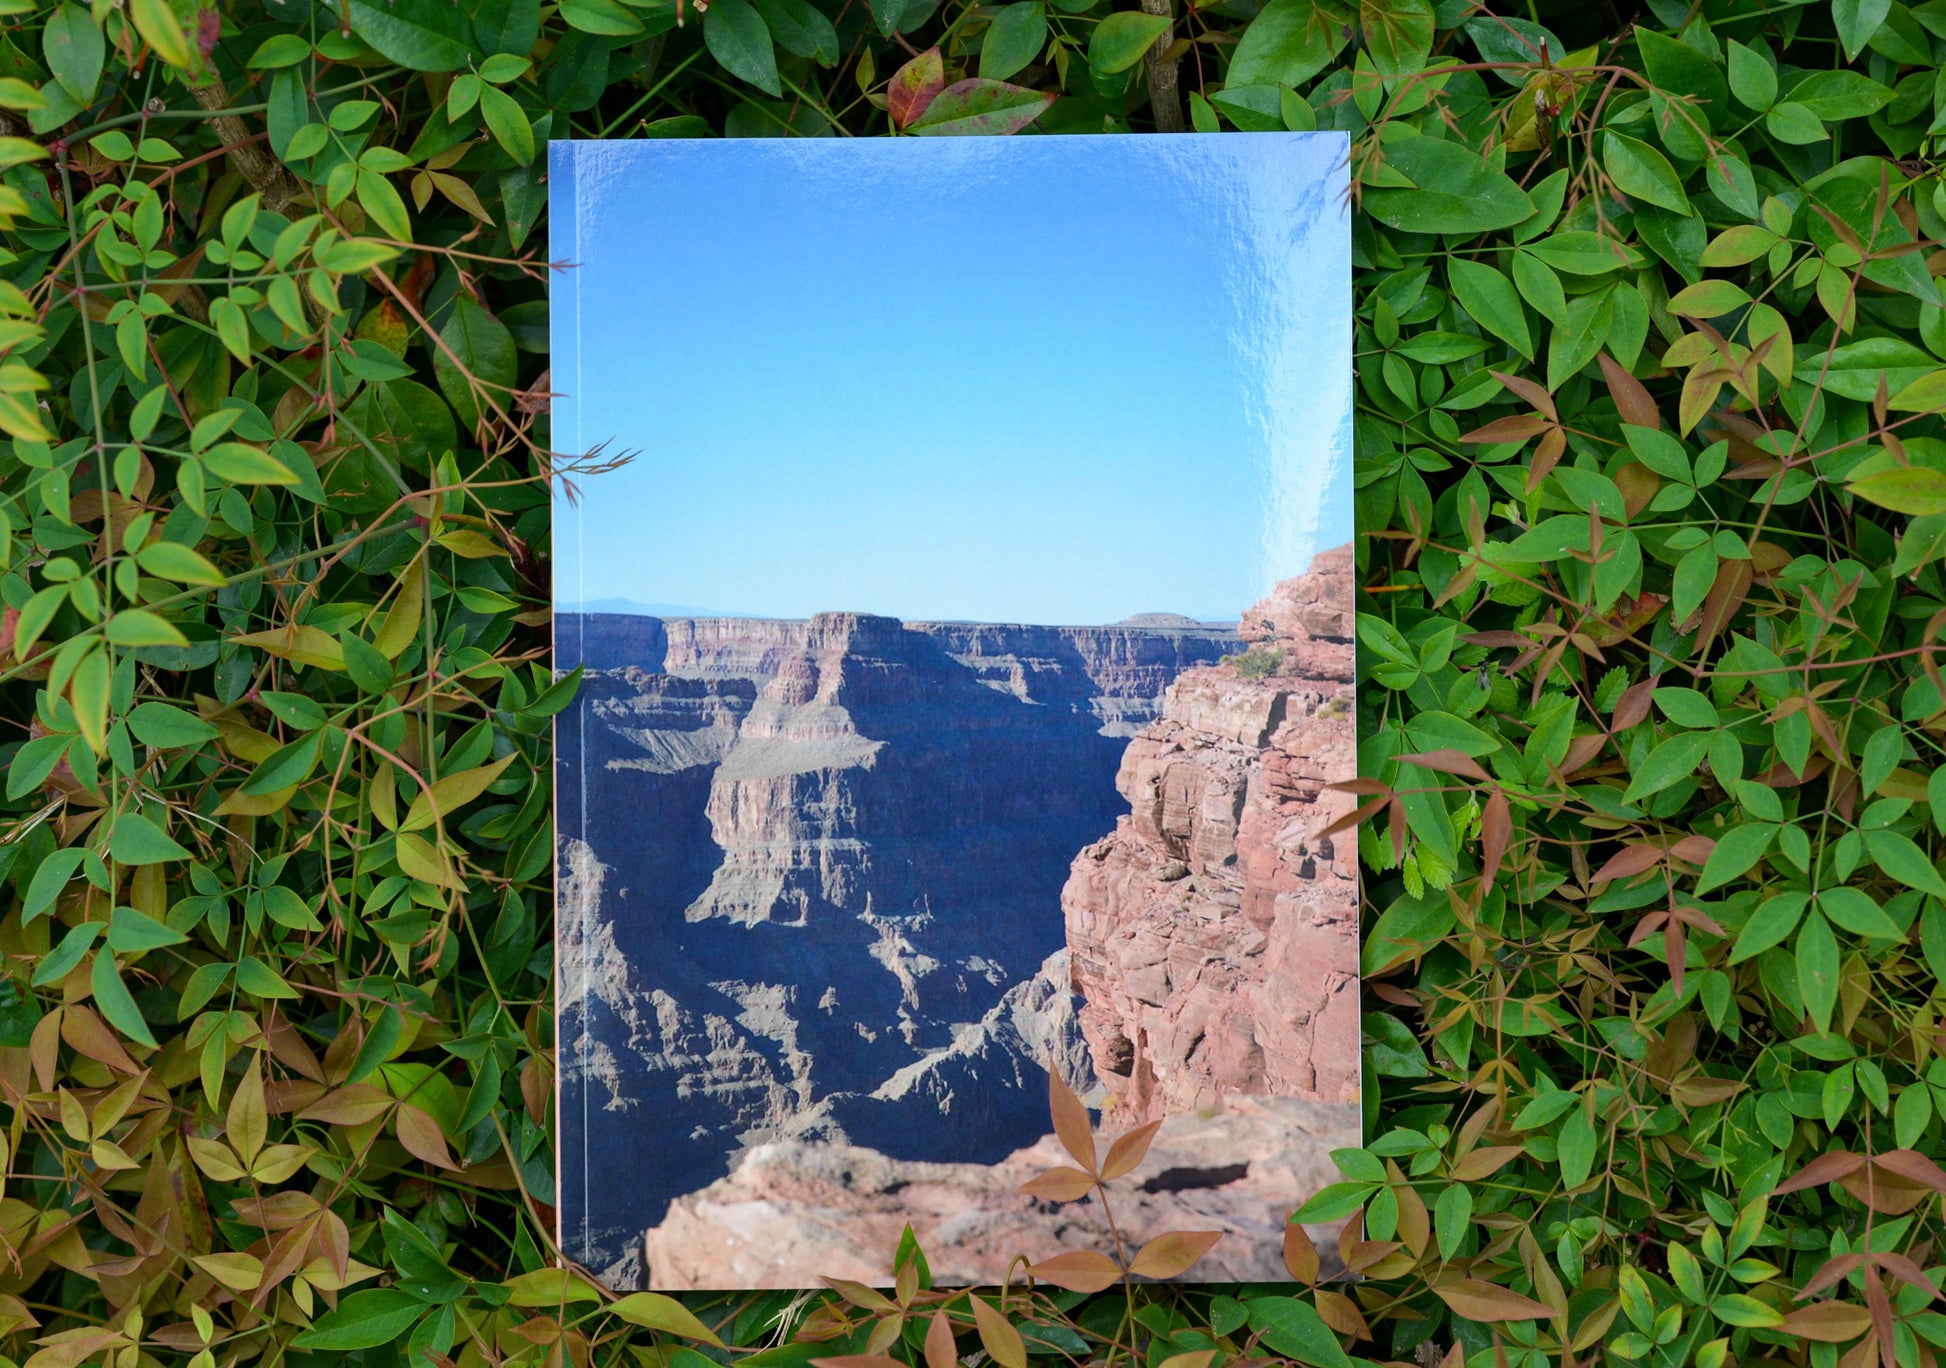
1652,495
1259,662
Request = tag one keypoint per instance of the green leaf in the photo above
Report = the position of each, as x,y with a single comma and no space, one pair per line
1294,1329
802,30
1856,911
239,464
423,35
291,764
1840,94
1121,38
161,30
135,840
1857,21
1898,856
50,879
75,51
367,1319
1640,171
1398,34
1452,1214
1915,490
1455,191
485,350
1771,924
63,959
1794,124
174,561
1576,1147
508,122
978,107
279,50
1490,299
1014,40
139,627
1288,43
380,199
737,37
259,980
166,726
112,997
1817,970
1736,850
1752,79
131,932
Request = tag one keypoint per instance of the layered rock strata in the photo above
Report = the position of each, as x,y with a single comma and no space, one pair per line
1214,933
793,1206
809,889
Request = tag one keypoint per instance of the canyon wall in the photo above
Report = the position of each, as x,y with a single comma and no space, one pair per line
809,890
1214,933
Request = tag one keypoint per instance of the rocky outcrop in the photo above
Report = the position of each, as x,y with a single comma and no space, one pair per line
793,1208
1214,934
810,881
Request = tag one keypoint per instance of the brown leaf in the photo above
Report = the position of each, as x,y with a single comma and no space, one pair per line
1632,400
1078,1270
1446,762
997,1335
1341,1313
941,1351
1300,1254
1477,1164
1496,829
1532,392
1826,1168
1486,1302
914,86
1546,452
1629,861
1912,1165
1832,1272
1828,1322
1415,1225
870,1298
857,1361
420,1134
1172,1254
1071,1121
1128,1150
352,1105
1060,1185
1633,705
1517,428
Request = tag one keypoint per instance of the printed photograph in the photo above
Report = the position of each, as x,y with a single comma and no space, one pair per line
958,554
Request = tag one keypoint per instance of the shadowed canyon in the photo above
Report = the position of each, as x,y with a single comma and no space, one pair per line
834,894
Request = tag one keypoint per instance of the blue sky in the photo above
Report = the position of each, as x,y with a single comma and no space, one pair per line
1035,379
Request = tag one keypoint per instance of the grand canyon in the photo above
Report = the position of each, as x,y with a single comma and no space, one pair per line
835,895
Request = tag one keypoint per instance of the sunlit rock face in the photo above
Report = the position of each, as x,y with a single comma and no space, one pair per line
1214,934
810,888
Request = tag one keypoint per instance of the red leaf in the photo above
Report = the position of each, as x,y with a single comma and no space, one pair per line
914,86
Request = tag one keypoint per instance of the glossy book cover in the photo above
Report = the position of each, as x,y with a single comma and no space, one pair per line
955,536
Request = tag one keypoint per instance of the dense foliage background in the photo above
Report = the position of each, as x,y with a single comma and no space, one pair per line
1653,497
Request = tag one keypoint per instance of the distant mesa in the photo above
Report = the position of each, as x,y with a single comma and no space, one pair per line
1170,620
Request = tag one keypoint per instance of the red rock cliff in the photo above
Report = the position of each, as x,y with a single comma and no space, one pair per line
1214,933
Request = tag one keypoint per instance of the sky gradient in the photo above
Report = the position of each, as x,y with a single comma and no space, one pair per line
1054,380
